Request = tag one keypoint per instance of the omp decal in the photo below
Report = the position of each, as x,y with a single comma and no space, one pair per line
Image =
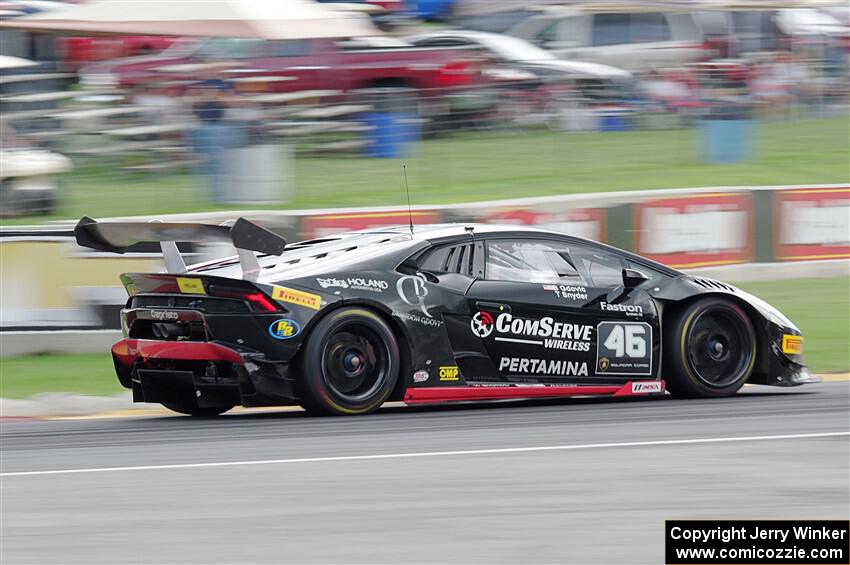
297,297
449,373
792,344
284,329
190,286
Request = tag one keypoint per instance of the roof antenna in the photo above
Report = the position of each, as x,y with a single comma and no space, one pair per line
407,188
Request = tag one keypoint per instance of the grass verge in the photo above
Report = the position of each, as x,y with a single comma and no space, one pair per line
472,166
818,306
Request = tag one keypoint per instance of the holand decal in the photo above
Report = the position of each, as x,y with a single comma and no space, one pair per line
549,367
354,283
284,329
624,348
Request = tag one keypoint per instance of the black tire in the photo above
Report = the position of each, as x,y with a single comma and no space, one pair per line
194,410
709,349
349,364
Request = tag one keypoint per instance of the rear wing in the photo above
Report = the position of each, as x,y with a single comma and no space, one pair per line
247,237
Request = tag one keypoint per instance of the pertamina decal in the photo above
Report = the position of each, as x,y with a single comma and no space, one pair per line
549,367
190,286
792,344
297,297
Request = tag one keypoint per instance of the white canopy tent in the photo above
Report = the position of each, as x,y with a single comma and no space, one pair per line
9,62
260,19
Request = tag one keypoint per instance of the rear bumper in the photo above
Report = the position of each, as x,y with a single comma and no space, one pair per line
214,374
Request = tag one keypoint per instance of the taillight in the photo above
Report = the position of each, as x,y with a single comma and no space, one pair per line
457,73
259,299
259,302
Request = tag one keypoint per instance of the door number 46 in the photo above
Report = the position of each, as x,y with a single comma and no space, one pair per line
627,340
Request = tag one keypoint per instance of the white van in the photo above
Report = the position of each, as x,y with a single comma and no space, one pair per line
634,37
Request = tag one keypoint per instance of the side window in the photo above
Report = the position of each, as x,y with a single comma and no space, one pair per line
547,261
288,48
548,35
451,259
598,268
649,27
530,260
610,29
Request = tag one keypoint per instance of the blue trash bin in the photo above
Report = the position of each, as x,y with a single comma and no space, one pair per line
726,141
391,134
393,127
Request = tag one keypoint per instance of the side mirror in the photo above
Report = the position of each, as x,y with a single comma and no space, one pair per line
633,278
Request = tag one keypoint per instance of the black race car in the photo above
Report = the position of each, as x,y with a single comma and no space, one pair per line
436,313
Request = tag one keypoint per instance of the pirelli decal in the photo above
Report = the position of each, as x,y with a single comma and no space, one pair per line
792,344
297,297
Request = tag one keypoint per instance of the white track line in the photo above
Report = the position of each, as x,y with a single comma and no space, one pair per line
425,454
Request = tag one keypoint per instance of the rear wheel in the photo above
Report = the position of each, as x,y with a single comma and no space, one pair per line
192,409
350,364
710,349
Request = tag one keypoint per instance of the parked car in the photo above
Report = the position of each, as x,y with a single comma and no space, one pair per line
27,176
553,86
742,31
77,52
310,64
635,39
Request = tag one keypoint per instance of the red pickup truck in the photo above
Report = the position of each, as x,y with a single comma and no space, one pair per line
297,65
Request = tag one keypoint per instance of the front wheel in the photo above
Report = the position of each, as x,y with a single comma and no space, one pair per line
710,349
350,364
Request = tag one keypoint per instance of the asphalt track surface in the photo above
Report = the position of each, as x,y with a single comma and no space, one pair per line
568,481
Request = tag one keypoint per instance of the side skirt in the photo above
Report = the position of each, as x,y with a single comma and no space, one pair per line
470,393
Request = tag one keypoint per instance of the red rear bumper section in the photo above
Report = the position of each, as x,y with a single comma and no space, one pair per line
469,393
127,351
